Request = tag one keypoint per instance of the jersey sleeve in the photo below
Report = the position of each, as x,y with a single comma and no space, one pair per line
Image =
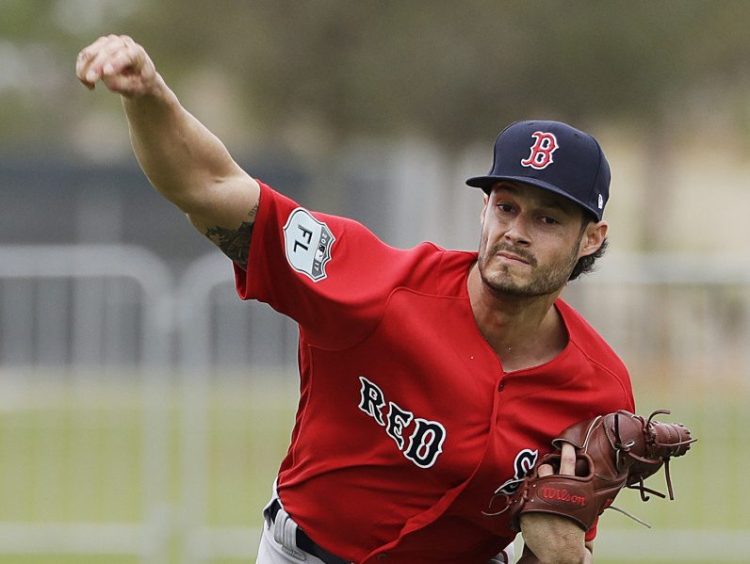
330,274
591,533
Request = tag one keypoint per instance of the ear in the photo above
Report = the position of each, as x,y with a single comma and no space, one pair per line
593,237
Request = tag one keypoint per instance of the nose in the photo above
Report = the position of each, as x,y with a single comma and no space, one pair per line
517,232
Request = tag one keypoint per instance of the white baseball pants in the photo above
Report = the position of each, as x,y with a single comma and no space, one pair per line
277,544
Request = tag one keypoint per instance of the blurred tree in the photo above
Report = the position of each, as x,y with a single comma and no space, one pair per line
450,71
456,70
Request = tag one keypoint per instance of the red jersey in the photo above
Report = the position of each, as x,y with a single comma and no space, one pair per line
408,430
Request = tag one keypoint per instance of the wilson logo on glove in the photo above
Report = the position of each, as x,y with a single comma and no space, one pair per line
556,494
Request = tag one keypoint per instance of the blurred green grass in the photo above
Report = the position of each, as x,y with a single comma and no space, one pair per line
68,457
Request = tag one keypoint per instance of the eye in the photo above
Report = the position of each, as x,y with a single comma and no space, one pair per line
504,207
549,220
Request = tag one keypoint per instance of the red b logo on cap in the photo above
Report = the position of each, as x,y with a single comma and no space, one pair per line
541,150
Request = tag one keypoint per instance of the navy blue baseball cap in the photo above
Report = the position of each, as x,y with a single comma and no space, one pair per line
554,156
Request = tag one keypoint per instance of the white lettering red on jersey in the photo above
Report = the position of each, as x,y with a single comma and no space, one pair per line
426,441
389,355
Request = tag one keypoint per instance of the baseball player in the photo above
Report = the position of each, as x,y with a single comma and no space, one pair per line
432,380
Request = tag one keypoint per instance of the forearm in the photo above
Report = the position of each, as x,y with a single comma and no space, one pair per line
181,157
554,539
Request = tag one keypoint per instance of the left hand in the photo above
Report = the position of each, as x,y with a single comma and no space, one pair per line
554,539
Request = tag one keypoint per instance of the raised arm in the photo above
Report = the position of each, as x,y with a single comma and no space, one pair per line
183,160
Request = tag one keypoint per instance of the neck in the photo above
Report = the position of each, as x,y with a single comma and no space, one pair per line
524,331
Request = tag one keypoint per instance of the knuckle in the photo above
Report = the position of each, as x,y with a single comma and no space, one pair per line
132,50
121,59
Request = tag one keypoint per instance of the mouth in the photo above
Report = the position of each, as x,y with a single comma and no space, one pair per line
511,257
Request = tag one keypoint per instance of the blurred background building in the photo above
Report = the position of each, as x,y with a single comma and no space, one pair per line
144,410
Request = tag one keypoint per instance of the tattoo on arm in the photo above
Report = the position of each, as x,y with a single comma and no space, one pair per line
235,243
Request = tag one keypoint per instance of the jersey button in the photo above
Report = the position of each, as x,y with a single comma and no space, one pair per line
382,556
501,386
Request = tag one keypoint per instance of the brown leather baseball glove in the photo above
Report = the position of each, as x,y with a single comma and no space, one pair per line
614,451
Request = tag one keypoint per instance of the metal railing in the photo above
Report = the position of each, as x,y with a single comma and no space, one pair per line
96,341
62,323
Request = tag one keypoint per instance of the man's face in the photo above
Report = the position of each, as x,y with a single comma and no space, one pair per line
531,240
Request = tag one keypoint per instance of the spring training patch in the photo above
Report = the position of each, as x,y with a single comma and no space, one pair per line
307,243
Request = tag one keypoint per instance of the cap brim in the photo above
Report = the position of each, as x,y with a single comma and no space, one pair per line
487,182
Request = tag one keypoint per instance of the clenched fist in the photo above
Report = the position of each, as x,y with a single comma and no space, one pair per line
121,64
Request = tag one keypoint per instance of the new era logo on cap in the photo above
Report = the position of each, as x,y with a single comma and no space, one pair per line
553,156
